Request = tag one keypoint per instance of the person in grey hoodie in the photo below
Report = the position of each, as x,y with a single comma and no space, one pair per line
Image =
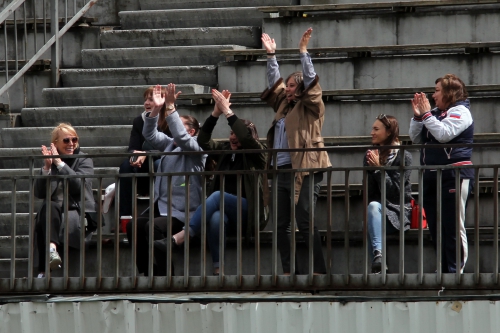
184,131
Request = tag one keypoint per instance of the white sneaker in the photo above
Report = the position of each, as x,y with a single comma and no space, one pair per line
55,260
40,275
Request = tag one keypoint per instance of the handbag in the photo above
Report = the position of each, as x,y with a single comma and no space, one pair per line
414,215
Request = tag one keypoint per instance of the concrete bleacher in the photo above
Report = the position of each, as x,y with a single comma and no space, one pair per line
370,58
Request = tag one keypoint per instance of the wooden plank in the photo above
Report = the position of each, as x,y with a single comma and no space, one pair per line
289,10
360,49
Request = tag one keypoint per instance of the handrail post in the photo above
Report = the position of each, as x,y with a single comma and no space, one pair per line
54,50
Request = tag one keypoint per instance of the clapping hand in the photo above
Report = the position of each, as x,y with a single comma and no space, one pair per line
420,104
373,157
221,100
50,152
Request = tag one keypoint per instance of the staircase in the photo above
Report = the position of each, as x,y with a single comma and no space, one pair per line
181,42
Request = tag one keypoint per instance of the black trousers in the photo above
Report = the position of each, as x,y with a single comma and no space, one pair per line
126,193
41,230
448,218
160,230
302,209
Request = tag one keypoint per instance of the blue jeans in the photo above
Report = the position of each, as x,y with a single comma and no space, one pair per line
375,227
213,220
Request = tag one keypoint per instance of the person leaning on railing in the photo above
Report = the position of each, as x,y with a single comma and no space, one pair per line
137,144
184,130
299,119
243,135
64,142
385,132
449,122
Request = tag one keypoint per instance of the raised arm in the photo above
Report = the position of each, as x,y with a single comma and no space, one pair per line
307,67
273,72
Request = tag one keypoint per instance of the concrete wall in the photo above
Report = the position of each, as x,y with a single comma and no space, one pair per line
186,4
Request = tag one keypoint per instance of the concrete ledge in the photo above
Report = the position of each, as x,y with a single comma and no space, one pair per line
156,56
385,29
245,36
191,18
186,4
369,73
202,75
19,156
89,136
108,95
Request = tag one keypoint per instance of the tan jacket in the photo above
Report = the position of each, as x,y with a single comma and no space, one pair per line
303,125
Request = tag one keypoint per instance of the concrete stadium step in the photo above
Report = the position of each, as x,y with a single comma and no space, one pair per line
156,56
107,95
201,75
19,137
244,36
187,4
22,182
191,18
22,202
19,156
101,115
22,224
386,29
367,73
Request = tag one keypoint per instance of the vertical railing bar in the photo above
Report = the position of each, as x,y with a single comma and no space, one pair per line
66,12
99,234
420,231
6,54
44,14
293,231
16,58
151,224
82,233
35,26
186,239
383,193
274,189
239,222
66,234
256,214
310,252
74,7
203,231
151,209
133,220
495,222
329,225
476,224
25,43
439,242
13,235
31,223
54,27
402,217
365,231
458,238
169,229
48,217
116,236
221,231
346,223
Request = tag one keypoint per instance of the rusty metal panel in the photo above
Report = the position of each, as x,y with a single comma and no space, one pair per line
125,316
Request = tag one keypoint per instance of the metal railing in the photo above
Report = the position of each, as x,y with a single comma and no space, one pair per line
27,16
254,264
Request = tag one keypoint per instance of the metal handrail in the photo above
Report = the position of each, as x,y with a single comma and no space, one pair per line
52,43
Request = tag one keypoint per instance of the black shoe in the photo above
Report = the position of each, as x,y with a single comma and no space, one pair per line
377,262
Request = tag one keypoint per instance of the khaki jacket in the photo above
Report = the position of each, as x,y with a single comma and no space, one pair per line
303,125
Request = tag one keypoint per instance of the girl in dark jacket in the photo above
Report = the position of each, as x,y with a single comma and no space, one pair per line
243,135
385,132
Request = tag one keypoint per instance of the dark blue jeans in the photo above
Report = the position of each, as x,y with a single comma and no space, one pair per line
213,215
